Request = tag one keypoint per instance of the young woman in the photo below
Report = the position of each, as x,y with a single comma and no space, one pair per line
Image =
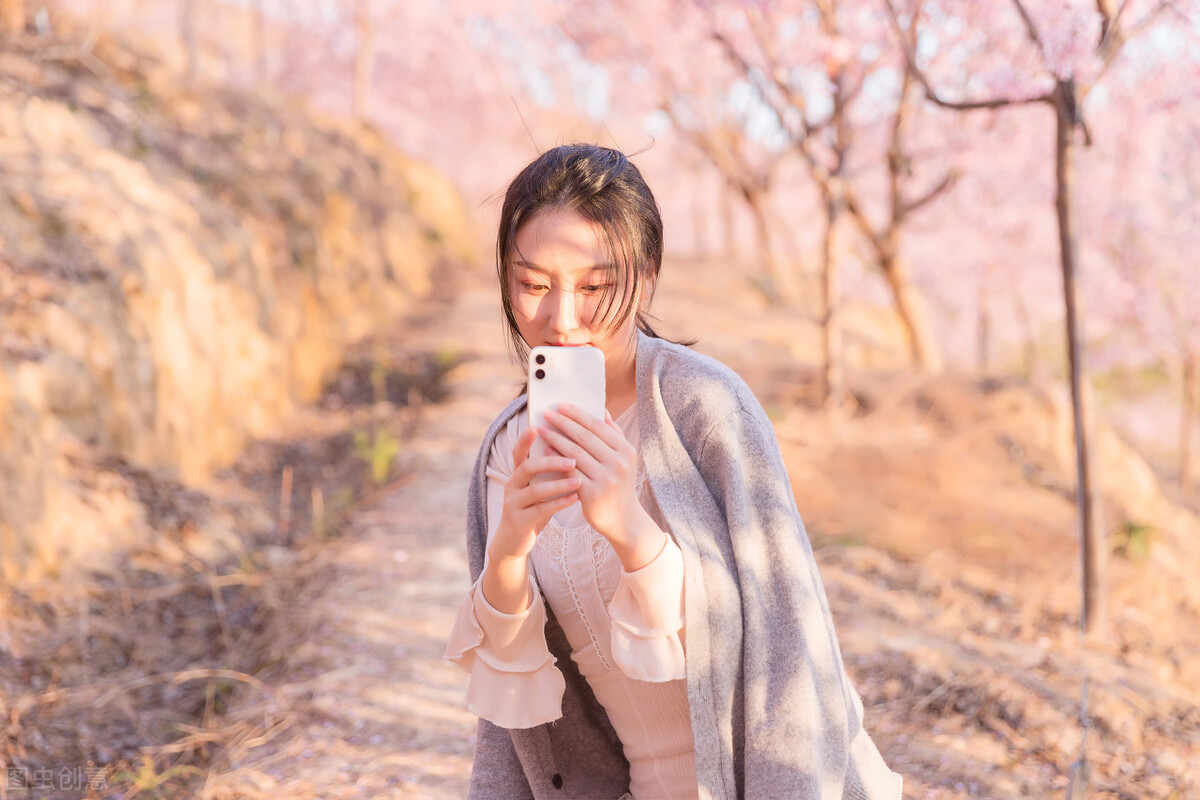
646,620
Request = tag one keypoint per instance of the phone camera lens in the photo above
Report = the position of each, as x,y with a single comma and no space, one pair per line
539,358
541,373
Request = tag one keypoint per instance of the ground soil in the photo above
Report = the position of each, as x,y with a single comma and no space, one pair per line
943,527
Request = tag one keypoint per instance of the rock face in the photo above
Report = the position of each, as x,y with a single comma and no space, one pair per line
178,269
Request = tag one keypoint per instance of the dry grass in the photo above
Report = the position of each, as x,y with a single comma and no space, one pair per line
133,672
156,674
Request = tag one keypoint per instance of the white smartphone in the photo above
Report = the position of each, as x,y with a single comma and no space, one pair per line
572,375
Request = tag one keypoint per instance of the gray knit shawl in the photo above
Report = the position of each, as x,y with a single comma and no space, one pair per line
773,712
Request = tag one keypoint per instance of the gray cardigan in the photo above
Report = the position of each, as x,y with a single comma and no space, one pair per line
773,712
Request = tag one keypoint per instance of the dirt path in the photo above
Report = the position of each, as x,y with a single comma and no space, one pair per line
378,713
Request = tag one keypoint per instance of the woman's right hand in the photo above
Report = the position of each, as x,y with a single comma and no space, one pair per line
528,506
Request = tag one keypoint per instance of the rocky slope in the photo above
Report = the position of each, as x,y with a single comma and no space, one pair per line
179,269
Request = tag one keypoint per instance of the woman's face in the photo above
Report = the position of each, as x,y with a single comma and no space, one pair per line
559,272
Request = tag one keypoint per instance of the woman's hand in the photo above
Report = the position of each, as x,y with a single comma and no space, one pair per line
528,506
607,467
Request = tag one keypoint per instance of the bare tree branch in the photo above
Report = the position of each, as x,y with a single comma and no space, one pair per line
1114,38
910,58
1148,20
1108,21
722,156
802,140
791,99
773,69
1031,29
945,184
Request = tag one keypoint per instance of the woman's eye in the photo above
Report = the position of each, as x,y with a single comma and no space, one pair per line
533,287
594,288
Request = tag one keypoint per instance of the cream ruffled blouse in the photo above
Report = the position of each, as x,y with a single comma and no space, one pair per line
625,631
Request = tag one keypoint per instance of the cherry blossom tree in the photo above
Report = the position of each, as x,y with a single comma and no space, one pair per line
1053,56
749,84
663,56
840,91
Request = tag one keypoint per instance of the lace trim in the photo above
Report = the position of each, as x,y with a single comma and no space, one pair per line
600,549
560,549
557,537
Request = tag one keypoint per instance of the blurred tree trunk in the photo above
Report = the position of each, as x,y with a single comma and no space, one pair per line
187,33
133,13
364,61
101,16
885,239
700,229
910,303
1029,354
983,340
12,16
729,239
776,283
258,42
221,15
831,325
1191,404
724,147
1093,541
833,194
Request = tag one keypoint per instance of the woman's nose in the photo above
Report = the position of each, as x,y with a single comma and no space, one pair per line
565,311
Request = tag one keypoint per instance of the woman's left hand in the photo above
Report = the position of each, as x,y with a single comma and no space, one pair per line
607,466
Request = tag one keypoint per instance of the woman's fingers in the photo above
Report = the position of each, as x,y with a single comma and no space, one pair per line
585,462
595,445
521,448
588,431
543,491
546,509
534,466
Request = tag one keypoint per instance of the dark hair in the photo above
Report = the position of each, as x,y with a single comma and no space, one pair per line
605,188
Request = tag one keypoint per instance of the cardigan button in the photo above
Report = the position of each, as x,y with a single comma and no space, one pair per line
557,781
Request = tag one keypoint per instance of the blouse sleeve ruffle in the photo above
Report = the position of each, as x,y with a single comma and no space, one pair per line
514,683
648,619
